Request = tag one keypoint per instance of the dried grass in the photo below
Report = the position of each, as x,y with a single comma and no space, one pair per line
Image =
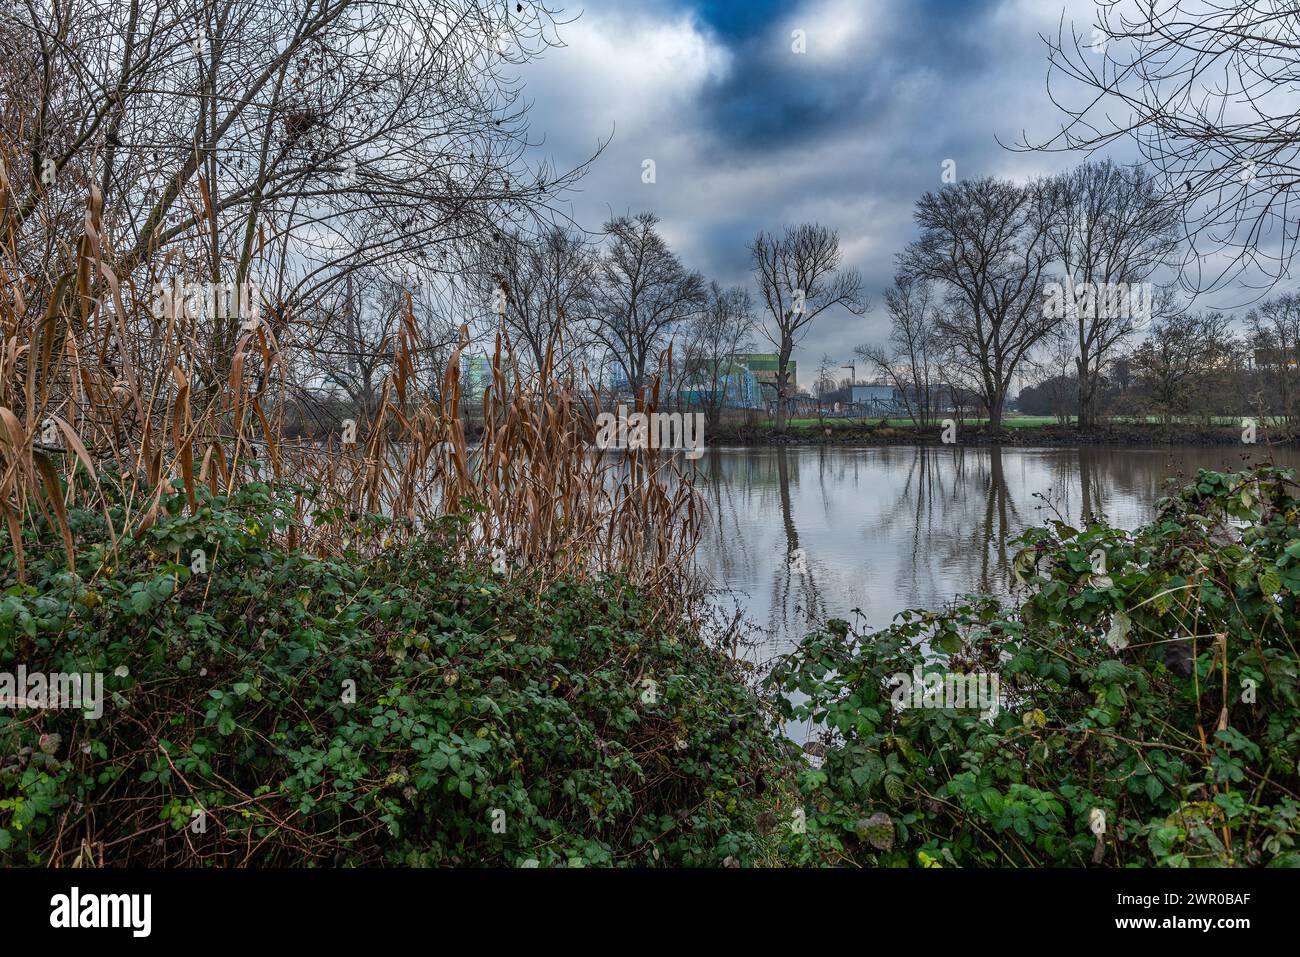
122,387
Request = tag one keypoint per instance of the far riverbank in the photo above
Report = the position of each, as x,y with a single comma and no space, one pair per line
1126,434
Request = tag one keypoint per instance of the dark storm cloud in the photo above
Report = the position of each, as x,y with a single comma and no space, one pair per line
738,20
772,93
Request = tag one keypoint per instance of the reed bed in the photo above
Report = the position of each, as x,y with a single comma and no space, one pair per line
105,402
411,558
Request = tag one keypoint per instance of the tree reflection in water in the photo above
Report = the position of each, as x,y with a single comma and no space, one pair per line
887,528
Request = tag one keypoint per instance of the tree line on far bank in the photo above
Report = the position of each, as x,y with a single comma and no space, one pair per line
1195,365
1066,282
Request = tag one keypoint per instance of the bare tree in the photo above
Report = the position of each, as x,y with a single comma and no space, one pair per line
1111,228
356,348
913,356
824,385
547,285
1183,358
720,332
281,143
799,277
355,329
642,295
1275,337
1054,370
985,243
1206,89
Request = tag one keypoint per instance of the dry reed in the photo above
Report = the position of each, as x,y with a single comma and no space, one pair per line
93,377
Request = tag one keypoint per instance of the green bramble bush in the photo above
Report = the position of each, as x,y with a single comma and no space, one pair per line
1148,685
496,720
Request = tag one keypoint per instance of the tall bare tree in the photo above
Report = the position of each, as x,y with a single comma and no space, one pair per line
548,285
800,276
643,294
720,332
1111,228
984,242
912,358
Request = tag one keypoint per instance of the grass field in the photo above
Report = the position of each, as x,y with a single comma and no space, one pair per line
1035,421
1009,422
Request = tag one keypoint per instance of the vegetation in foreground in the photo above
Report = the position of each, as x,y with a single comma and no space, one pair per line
406,708
1149,711
499,675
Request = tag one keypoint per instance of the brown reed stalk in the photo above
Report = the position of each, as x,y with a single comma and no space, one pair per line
75,343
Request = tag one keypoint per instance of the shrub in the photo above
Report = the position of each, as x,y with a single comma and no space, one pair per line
1149,691
602,731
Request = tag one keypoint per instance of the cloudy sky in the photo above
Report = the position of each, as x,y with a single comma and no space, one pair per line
746,134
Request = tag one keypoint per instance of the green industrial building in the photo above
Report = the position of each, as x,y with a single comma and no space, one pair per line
765,365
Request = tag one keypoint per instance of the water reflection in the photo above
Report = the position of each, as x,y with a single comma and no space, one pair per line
883,529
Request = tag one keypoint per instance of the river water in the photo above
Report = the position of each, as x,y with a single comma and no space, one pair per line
799,534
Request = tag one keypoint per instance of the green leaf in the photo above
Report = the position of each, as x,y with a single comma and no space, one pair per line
1270,582
1153,787
894,788
139,600
877,830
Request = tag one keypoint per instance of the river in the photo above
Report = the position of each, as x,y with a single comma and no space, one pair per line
799,534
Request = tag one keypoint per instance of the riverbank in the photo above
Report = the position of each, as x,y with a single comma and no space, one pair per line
1145,435
425,705
1074,723
416,705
